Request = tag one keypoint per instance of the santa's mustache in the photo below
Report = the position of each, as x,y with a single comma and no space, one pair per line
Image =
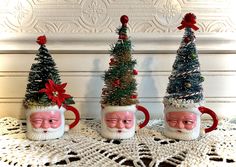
180,130
118,130
41,130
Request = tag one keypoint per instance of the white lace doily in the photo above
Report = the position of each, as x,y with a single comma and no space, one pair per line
84,147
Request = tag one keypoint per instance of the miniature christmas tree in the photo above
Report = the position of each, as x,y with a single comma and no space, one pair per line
185,81
43,71
120,83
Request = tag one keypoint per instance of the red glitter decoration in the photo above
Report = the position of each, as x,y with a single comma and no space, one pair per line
41,40
116,83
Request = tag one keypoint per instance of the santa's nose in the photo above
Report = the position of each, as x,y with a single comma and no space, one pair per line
120,125
45,124
180,125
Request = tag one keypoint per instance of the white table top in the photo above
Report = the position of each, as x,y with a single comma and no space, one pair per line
84,147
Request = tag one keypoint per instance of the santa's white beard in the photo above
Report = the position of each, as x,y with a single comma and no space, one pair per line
114,133
182,134
45,134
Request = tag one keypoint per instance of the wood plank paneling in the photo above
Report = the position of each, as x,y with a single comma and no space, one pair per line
99,62
150,84
83,74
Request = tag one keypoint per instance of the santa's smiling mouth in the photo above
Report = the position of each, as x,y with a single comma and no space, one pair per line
179,131
45,131
119,131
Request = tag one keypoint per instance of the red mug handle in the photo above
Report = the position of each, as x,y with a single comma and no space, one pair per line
214,117
77,116
146,114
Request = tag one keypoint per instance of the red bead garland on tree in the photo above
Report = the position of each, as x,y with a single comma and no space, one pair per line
123,36
187,40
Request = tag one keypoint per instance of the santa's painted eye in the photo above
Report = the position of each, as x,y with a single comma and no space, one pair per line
188,122
111,120
52,121
37,121
172,121
126,121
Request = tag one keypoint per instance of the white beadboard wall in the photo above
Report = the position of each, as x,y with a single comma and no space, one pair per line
80,33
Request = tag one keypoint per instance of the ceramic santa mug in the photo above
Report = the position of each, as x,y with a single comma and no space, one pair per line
119,122
45,123
185,123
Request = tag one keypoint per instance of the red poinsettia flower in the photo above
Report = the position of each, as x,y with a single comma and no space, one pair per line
55,92
41,40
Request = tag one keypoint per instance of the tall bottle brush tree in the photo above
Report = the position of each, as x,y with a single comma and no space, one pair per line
41,71
185,81
120,84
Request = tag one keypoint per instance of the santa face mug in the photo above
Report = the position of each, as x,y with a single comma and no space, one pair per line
119,122
44,123
185,123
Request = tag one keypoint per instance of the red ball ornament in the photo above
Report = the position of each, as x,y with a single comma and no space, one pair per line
135,72
124,20
133,96
190,18
112,61
41,40
116,83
